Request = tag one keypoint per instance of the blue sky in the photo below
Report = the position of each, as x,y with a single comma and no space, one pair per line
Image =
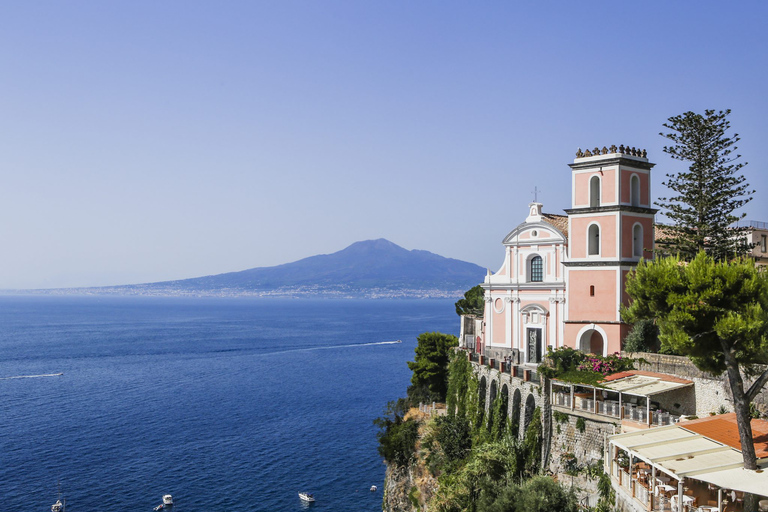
143,141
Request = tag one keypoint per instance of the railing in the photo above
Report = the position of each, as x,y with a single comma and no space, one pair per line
642,494
626,481
562,399
609,408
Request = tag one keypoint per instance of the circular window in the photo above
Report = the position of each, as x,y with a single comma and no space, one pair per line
534,233
498,305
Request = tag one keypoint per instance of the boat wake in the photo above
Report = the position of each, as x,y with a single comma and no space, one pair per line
330,347
32,376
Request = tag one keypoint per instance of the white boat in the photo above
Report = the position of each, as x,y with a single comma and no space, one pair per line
374,488
59,506
167,500
306,496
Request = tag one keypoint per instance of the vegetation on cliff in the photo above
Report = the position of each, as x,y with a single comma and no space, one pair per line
430,367
473,452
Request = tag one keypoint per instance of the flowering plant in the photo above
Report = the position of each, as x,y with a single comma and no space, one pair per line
606,365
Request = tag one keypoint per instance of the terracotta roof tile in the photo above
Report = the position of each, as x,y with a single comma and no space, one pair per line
663,376
724,429
559,221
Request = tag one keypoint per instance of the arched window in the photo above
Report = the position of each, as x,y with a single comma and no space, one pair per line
537,270
634,191
637,241
593,240
594,191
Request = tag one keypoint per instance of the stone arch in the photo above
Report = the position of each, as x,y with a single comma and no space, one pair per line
504,407
637,240
593,240
594,191
516,403
494,392
530,406
592,341
634,190
482,392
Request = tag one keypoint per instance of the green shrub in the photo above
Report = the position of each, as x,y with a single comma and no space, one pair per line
397,437
581,425
644,337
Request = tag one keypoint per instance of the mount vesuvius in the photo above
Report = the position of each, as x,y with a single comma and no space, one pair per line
371,268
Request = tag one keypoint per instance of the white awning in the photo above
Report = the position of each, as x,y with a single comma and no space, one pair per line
643,385
740,479
682,453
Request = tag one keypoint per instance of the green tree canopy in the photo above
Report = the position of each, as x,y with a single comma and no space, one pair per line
473,302
710,191
430,367
716,313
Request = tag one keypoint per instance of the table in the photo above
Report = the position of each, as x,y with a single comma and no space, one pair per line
687,500
665,488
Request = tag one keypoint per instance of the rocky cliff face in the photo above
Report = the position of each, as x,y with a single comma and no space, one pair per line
409,488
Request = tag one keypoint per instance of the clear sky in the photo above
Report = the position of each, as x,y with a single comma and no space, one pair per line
153,140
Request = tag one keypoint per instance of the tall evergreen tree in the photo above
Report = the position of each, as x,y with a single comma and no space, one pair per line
710,192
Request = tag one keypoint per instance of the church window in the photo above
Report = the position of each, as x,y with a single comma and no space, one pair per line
593,236
592,290
634,191
637,240
537,270
594,191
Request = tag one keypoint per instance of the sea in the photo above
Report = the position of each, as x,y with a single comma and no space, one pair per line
228,404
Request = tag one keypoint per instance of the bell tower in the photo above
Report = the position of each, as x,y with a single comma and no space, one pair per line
610,228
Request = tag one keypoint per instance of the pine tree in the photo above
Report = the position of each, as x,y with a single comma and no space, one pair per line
710,191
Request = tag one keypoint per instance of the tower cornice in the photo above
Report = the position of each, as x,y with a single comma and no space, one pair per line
612,208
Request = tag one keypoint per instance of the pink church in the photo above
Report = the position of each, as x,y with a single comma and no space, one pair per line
562,279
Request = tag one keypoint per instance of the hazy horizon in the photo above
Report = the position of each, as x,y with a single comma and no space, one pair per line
153,141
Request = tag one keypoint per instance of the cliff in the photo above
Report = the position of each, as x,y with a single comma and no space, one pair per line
409,488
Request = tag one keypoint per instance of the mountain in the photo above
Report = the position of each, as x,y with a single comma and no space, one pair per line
372,268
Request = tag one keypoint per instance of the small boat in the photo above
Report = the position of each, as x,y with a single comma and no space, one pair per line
306,496
59,506
374,488
167,500
159,507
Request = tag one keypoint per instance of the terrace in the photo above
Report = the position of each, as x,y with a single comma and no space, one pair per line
634,397
689,467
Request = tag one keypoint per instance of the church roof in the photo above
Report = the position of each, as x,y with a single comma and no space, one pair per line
558,221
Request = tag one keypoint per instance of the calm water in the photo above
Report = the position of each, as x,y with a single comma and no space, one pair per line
228,404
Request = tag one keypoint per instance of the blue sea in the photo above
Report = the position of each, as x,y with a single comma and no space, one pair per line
227,404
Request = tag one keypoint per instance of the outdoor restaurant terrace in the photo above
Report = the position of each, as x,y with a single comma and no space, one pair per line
693,466
636,398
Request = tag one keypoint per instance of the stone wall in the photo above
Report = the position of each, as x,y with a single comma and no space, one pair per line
517,389
587,445
711,393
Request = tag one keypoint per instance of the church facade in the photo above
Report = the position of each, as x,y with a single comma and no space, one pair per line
561,282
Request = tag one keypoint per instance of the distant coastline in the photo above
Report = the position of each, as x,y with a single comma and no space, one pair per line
292,292
371,269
